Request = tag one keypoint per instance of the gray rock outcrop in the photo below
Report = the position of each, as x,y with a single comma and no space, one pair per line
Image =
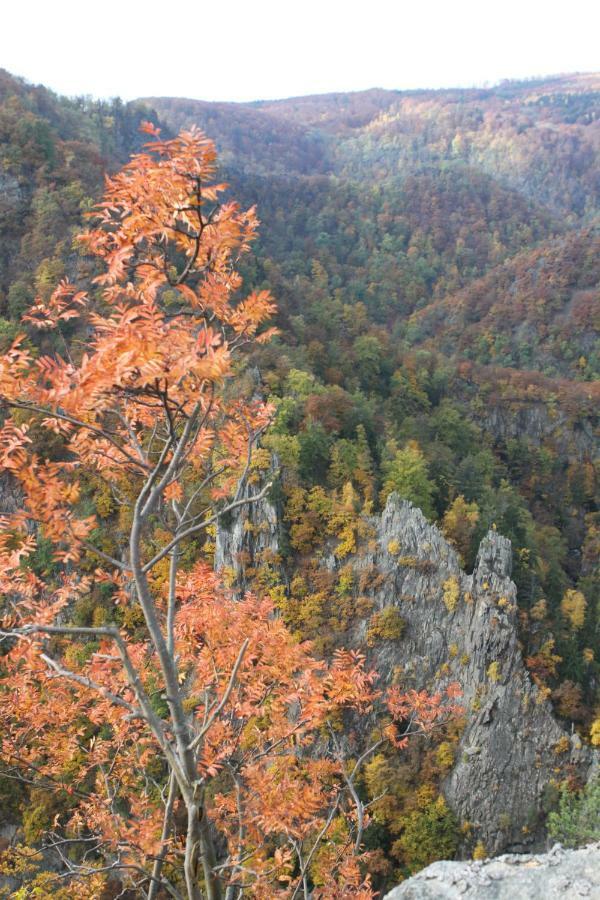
557,875
248,538
461,628
542,425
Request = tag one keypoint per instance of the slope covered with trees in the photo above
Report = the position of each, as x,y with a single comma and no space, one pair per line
434,260
438,291
539,310
53,156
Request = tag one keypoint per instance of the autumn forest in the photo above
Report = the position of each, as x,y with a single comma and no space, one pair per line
279,383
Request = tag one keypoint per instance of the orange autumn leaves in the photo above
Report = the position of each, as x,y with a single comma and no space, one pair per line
159,337
263,758
173,687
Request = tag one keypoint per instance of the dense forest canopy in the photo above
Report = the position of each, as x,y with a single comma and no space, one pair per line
434,258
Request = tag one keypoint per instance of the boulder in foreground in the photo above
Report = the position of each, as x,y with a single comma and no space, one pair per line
560,873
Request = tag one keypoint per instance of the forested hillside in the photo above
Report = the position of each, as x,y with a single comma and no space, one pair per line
434,257
434,260
53,156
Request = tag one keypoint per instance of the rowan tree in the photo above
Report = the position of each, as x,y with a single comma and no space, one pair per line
193,747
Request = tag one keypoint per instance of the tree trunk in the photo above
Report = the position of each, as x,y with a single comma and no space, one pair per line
199,846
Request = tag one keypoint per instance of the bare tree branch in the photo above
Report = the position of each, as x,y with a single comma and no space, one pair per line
54,414
92,685
188,532
223,702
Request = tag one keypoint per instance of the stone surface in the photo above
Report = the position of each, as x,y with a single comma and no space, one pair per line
563,874
11,497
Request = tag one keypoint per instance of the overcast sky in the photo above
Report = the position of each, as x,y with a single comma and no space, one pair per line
252,49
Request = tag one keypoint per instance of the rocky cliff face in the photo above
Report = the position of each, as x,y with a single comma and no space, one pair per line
574,438
463,628
459,627
249,538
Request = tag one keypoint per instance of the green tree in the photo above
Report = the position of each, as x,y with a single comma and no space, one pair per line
405,472
577,819
430,833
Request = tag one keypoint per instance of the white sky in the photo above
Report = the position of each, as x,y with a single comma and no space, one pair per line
252,49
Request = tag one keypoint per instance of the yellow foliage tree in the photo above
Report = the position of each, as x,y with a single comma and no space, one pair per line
459,523
451,596
573,606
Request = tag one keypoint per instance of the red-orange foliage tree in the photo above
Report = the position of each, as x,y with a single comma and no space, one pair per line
196,745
